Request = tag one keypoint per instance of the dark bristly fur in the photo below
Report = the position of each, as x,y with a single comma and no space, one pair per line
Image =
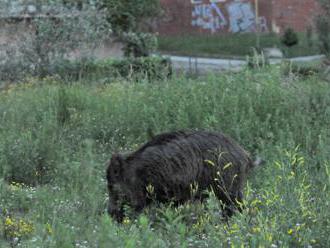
179,166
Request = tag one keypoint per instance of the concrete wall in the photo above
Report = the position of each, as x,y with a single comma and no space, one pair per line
15,16
233,16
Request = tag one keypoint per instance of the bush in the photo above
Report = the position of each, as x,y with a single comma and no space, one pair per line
139,44
150,68
289,38
129,15
132,23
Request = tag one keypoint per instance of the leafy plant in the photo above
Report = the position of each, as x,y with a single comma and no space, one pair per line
129,15
150,68
256,59
130,20
139,44
289,37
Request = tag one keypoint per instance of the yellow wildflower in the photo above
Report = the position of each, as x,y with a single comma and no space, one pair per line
49,229
8,221
17,228
126,221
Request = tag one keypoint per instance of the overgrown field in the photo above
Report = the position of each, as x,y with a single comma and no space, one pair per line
55,139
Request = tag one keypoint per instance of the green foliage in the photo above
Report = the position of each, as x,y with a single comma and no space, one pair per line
301,69
149,68
323,27
256,59
76,3
72,129
289,38
131,21
128,15
139,44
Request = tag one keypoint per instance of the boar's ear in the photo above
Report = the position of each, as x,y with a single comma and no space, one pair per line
117,163
150,133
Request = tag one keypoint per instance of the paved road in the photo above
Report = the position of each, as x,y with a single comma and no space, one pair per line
193,64
203,65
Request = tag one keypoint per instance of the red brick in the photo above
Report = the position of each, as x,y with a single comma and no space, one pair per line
279,14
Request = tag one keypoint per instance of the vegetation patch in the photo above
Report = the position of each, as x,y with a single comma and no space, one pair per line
55,139
234,45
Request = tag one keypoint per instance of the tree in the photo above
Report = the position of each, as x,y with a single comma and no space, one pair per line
128,15
130,20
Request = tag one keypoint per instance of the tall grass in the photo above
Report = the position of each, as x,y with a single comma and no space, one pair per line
55,139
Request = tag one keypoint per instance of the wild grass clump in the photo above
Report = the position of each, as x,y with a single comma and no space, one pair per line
55,139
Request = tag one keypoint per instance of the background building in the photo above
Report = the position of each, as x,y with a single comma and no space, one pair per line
233,16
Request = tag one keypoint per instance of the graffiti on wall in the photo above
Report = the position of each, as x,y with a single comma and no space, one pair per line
209,15
241,17
263,27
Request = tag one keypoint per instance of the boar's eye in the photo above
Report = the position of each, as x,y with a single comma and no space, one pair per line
116,165
116,172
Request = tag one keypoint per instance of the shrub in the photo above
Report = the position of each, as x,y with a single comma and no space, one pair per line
132,22
289,38
139,44
150,68
129,15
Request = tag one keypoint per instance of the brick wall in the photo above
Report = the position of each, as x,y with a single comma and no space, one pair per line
297,14
233,16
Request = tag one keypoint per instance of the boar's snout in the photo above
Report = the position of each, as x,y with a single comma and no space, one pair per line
115,213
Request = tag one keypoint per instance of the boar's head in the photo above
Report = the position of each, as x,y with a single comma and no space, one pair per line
124,187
